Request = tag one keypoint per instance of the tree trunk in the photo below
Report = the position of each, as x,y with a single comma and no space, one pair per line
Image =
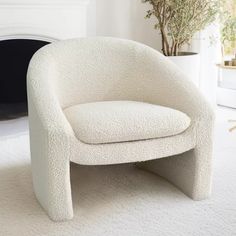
165,43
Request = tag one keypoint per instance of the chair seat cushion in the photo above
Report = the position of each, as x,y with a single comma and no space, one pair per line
122,121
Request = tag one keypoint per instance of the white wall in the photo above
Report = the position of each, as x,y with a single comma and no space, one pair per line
125,19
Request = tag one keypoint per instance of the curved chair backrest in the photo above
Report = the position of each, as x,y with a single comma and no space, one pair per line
96,69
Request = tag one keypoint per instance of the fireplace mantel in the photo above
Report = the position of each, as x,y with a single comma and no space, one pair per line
41,21
42,2
47,20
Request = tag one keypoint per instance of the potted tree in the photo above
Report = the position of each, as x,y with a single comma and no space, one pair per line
228,37
226,94
178,21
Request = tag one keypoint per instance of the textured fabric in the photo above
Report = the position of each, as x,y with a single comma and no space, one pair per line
121,121
117,200
77,71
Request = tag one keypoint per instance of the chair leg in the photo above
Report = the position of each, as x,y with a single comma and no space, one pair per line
52,187
190,171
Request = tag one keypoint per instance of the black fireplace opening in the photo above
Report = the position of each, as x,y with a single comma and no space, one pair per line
15,55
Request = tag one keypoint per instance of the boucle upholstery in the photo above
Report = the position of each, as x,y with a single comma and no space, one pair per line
121,121
72,72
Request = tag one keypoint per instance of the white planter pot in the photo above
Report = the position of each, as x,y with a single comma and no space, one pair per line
189,63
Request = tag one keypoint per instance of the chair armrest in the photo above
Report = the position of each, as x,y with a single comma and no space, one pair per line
166,85
42,98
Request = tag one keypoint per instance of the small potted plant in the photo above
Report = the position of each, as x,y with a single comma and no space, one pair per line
228,38
178,21
227,68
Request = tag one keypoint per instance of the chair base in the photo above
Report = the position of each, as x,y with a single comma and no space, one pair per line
189,171
185,172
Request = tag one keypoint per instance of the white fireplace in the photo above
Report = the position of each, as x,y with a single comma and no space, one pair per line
27,25
47,20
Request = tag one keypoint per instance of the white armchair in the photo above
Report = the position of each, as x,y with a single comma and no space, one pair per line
100,101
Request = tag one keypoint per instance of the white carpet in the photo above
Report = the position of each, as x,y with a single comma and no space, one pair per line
117,200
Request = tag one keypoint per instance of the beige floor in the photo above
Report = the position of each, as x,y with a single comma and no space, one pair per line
117,200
